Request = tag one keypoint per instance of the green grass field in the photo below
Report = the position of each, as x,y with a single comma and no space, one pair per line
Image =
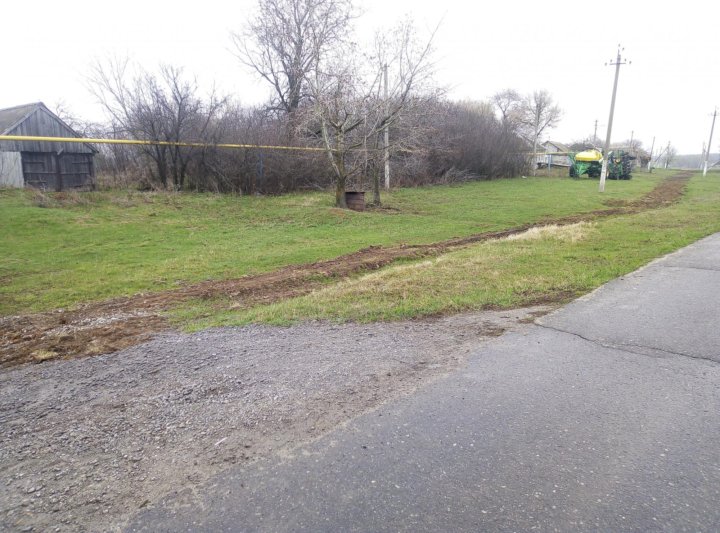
556,264
94,246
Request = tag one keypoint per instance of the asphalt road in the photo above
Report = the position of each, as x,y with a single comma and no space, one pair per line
603,416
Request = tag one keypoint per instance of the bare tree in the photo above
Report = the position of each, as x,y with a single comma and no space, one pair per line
164,107
286,42
670,154
633,145
539,113
350,110
405,59
509,104
665,154
186,117
79,126
335,117
585,144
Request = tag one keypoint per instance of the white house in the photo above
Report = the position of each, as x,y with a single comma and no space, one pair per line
555,155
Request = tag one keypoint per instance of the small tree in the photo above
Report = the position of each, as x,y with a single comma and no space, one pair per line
350,110
539,113
670,154
509,104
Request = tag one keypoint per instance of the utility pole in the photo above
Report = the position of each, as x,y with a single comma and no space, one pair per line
595,132
651,154
709,146
535,140
667,155
386,130
603,173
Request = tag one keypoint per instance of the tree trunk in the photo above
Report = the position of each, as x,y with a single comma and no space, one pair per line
337,160
376,185
340,193
535,140
342,172
162,172
158,156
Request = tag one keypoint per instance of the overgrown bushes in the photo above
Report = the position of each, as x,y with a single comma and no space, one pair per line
451,142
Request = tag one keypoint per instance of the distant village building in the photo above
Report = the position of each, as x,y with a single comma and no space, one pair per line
42,164
555,155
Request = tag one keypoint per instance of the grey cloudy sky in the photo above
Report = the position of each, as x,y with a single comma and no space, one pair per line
668,92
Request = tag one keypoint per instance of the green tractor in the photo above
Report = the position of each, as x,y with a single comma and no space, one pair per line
590,162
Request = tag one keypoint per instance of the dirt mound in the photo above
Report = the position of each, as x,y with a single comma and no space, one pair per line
105,327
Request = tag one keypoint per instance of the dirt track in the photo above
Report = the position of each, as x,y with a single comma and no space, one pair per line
109,326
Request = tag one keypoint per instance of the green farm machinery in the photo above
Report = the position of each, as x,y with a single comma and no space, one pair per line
589,162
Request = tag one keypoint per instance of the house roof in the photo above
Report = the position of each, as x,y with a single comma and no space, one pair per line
560,146
12,117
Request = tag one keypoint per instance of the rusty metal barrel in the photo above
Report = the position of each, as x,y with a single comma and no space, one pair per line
355,200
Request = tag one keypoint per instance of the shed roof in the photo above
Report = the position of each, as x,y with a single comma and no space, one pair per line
36,119
11,117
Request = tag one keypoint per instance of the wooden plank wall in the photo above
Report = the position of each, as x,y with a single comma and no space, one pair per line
11,170
40,170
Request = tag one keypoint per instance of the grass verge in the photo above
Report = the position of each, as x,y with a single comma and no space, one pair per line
554,265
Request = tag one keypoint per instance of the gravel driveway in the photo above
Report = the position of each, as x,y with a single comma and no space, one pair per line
85,443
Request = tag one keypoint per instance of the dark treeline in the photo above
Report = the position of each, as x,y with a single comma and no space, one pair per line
451,142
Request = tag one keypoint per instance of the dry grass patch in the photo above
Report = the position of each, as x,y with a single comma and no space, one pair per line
451,271
569,233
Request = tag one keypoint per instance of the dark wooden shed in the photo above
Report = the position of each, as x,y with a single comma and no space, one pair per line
42,164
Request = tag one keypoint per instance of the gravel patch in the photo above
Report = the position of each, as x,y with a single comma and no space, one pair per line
85,443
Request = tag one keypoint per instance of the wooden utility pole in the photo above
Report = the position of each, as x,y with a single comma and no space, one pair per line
595,132
386,130
709,146
535,140
603,173
652,147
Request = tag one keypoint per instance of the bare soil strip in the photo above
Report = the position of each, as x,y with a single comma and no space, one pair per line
105,327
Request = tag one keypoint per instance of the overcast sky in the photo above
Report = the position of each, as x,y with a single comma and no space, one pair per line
669,91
